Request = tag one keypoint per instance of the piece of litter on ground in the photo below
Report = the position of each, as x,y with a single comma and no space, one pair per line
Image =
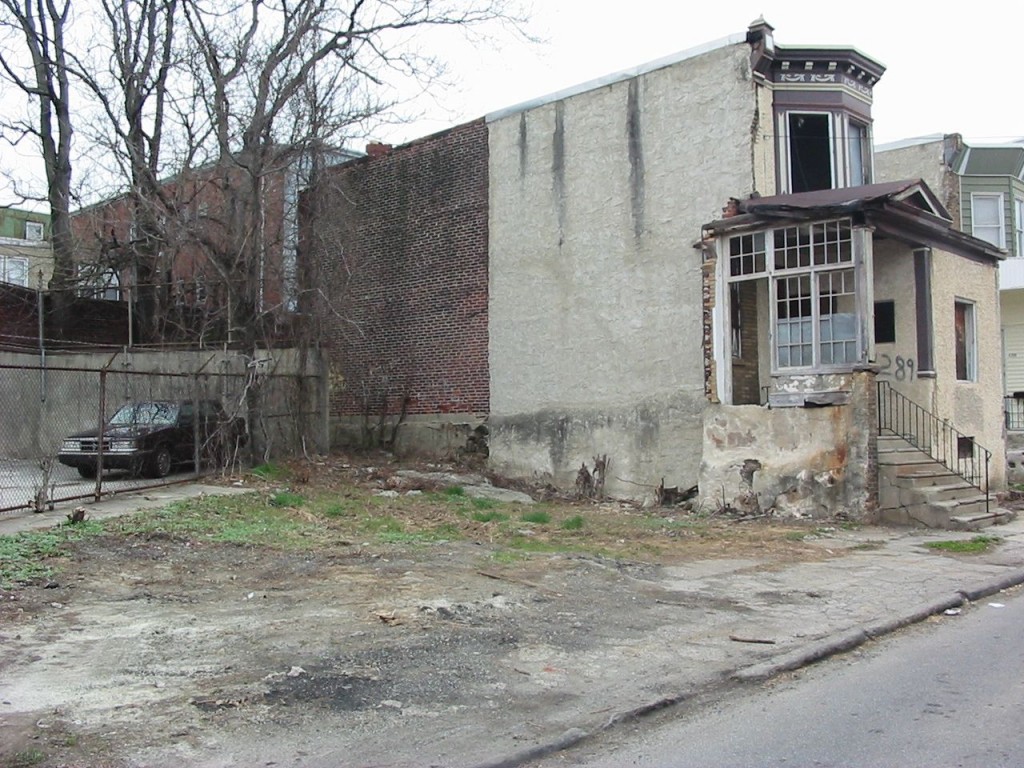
296,671
391,703
996,605
952,611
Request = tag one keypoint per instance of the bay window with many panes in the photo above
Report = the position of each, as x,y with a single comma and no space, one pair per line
811,280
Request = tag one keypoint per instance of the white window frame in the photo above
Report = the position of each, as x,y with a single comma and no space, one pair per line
1001,223
104,286
865,152
5,270
34,231
970,339
784,148
1018,239
773,274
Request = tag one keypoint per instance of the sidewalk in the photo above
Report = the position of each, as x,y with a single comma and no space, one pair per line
891,581
110,506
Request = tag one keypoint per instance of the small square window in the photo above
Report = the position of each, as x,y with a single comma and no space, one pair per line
885,322
33,231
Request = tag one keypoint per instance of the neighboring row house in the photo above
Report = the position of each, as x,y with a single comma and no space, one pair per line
26,258
688,268
983,188
186,264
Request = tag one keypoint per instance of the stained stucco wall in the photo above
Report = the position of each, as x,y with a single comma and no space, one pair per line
974,407
898,362
595,287
812,461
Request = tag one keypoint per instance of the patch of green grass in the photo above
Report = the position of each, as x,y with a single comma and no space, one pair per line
24,558
796,535
965,546
484,503
531,544
27,758
508,556
489,516
574,523
536,516
337,509
403,537
270,471
287,499
447,531
243,519
455,491
383,525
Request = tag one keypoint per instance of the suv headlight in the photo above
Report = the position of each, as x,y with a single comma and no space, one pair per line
122,446
70,446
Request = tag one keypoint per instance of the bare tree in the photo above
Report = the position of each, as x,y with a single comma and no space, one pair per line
212,118
281,89
44,77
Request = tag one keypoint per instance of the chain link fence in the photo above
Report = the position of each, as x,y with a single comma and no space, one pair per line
70,433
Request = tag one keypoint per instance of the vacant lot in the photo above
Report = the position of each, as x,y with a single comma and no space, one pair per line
317,622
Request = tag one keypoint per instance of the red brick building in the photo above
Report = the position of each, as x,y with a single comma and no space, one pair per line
400,241
196,255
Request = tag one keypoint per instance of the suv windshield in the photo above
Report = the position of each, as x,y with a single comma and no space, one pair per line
145,413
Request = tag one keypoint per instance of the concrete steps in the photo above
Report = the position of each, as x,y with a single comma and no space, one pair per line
914,489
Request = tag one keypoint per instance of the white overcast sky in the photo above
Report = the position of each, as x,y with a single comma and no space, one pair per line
948,69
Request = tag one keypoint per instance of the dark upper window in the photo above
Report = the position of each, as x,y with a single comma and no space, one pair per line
885,322
810,152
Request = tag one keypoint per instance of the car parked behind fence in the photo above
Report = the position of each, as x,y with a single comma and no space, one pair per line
152,437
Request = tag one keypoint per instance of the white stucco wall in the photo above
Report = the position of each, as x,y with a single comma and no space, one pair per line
595,287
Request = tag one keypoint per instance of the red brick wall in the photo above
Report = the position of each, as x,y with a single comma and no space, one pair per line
400,242
93,322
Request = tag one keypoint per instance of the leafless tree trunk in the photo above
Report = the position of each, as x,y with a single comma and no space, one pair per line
41,26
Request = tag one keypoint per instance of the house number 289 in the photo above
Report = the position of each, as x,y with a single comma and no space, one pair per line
903,370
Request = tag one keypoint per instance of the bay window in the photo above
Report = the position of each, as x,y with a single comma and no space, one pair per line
812,285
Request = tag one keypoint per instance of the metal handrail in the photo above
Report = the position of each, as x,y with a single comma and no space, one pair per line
959,453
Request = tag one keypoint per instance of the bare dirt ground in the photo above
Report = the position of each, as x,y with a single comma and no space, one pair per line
160,647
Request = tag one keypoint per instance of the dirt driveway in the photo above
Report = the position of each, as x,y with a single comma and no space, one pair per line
150,646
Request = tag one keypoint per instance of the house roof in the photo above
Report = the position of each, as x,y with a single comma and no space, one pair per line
912,191
905,210
994,161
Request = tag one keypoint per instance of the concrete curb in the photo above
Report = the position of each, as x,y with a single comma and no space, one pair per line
829,646
845,641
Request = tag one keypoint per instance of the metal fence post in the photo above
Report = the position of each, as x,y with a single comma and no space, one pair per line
99,437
